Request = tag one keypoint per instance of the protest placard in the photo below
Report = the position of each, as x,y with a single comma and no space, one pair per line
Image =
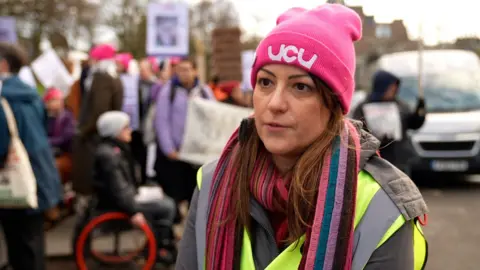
383,120
209,126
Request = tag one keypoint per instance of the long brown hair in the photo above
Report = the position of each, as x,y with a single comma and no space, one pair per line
304,183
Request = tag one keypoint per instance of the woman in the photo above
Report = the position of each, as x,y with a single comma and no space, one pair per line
61,129
23,228
116,183
299,186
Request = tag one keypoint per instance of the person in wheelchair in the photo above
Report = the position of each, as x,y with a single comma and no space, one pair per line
116,185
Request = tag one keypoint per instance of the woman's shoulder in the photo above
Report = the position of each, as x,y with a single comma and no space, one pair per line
107,152
380,175
205,173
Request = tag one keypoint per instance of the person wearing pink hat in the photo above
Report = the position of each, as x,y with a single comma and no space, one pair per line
61,130
123,62
299,185
103,91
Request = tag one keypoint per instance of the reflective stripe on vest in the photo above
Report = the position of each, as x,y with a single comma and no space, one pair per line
377,220
375,223
204,177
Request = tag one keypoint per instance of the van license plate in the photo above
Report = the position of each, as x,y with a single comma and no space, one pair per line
449,165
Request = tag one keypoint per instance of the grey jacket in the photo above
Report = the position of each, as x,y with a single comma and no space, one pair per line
395,254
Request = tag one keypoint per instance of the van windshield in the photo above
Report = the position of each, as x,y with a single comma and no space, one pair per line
446,92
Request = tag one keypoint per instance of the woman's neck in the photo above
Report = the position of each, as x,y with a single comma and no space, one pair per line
284,164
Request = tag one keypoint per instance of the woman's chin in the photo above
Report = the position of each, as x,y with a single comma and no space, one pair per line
278,147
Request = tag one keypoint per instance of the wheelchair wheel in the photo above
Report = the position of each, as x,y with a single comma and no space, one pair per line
82,244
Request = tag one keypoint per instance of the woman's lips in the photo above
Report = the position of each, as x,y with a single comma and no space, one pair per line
275,127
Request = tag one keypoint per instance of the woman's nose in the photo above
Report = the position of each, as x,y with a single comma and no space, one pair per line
278,100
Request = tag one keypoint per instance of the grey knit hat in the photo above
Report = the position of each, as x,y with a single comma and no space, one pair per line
111,123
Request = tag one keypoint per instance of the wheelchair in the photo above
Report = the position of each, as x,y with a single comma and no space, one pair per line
100,223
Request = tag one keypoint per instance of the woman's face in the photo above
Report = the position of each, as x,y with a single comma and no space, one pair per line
125,135
55,105
289,111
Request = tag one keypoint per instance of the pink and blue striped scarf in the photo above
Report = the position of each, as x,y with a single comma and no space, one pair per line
329,239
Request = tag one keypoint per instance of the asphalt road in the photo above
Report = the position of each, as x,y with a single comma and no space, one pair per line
453,229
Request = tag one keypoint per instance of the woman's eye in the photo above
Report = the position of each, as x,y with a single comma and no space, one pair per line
302,87
263,82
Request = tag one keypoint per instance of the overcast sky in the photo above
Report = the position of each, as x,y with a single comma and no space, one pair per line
442,19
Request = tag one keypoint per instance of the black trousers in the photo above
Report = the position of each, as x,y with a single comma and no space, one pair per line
139,152
25,240
177,178
161,216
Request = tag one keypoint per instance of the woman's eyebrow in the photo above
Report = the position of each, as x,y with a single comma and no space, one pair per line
298,76
289,77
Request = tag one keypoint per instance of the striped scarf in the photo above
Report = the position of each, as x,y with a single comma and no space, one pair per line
329,239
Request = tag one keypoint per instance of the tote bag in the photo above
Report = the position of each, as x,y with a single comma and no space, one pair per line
18,186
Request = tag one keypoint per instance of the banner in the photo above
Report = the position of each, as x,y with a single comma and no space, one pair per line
248,58
130,99
167,29
8,30
383,120
27,76
209,126
51,72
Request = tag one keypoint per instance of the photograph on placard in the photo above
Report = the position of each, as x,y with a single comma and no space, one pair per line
167,29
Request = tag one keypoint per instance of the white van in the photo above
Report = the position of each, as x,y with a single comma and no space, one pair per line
449,141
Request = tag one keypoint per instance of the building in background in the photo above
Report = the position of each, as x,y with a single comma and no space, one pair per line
378,39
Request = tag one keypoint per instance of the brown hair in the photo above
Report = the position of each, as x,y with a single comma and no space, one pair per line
300,208
15,56
190,60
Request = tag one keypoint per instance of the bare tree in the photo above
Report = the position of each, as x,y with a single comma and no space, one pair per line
128,19
208,15
37,19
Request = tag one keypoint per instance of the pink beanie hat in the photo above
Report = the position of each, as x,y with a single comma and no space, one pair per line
103,52
319,41
52,93
153,63
124,59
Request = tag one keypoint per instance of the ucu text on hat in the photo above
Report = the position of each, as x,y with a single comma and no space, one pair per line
297,55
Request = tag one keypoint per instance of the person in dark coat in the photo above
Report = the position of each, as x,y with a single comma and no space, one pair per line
116,183
385,89
23,228
103,92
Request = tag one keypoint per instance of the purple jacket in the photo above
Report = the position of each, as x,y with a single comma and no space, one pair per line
170,118
61,130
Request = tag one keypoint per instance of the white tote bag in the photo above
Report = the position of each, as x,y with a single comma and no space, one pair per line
18,186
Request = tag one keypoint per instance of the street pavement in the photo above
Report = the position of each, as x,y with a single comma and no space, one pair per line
453,226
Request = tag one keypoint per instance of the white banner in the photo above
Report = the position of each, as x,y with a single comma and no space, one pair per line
248,58
8,31
130,99
383,120
209,126
27,76
51,71
167,29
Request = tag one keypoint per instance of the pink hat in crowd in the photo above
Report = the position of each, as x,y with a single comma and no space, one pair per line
175,60
153,63
319,41
103,52
124,59
53,93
